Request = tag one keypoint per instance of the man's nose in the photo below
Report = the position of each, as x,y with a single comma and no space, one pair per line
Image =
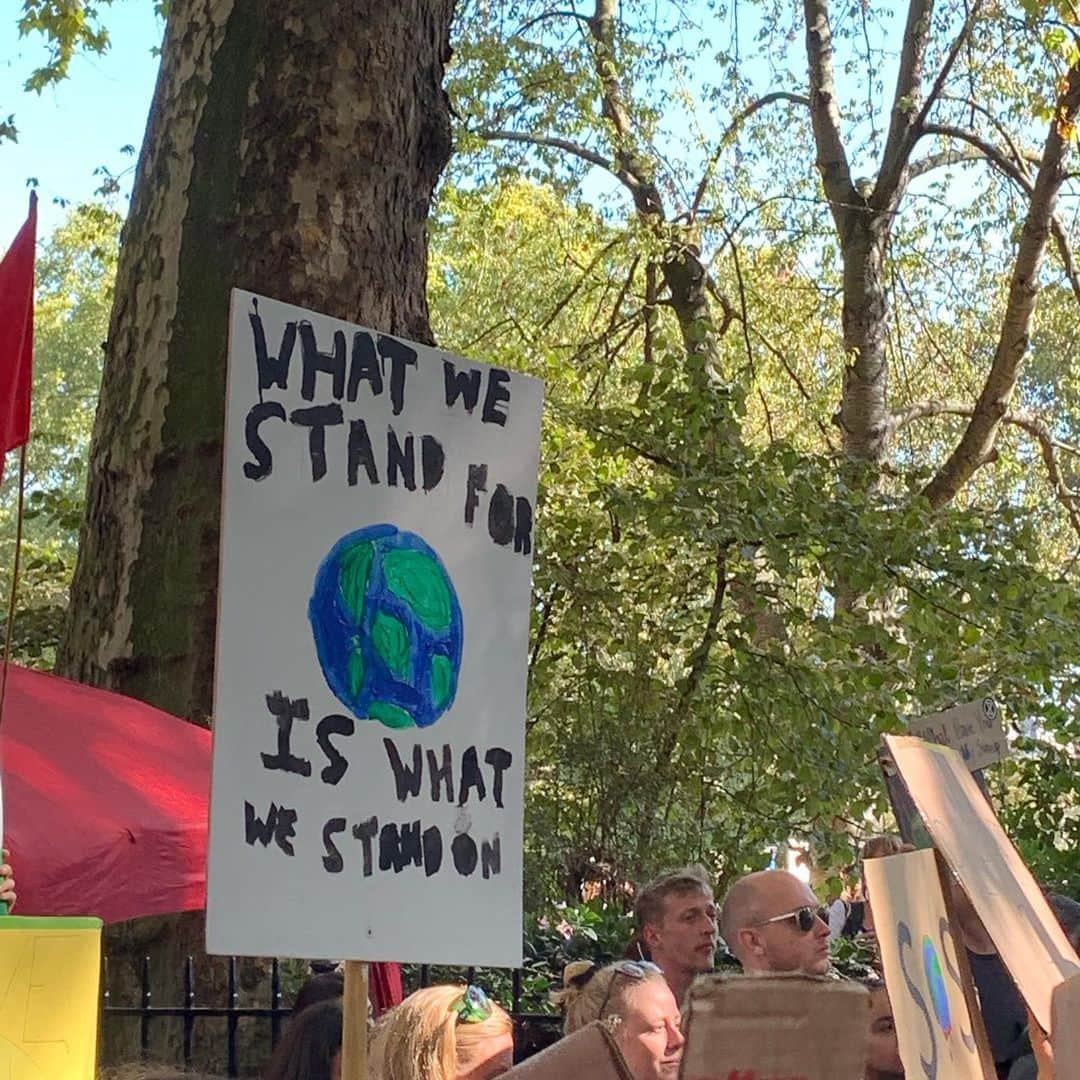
675,1037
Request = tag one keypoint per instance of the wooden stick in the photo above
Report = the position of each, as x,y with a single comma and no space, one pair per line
354,1032
963,965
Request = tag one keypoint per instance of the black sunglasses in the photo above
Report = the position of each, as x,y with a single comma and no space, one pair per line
805,919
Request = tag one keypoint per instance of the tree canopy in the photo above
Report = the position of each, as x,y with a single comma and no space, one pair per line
800,280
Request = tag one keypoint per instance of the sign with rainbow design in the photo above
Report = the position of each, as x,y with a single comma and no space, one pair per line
939,1039
378,528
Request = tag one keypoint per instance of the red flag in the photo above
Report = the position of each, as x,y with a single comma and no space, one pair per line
17,335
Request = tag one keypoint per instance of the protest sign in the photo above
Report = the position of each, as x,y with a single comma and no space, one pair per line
1066,1012
937,1020
973,730
49,1003
1001,889
376,548
590,1052
775,1027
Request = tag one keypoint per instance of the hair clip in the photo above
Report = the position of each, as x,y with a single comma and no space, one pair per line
473,1007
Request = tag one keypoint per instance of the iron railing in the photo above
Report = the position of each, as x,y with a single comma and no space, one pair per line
532,1030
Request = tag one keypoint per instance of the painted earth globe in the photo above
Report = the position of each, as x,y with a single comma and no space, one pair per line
387,627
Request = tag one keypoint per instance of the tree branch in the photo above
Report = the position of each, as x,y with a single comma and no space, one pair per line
544,16
977,441
944,72
698,659
614,108
987,149
1048,445
1015,171
737,121
572,148
832,159
907,125
997,125
943,159
909,77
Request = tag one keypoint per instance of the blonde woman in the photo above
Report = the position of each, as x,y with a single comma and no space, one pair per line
633,998
443,1033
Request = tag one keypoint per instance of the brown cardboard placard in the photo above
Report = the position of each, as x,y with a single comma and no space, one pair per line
938,1023
589,1053
1066,1041
775,1027
974,730
1006,897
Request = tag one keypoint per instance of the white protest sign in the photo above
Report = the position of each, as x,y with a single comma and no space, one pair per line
973,730
936,1032
369,730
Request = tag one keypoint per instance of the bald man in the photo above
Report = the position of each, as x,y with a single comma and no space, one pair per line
770,923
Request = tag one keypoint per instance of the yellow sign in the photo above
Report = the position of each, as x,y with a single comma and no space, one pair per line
49,998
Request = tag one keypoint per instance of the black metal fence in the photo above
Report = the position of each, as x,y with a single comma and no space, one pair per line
532,1030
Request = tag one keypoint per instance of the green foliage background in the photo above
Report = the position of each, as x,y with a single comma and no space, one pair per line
727,613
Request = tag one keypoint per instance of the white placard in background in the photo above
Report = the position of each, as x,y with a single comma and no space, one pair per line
369,730
974,730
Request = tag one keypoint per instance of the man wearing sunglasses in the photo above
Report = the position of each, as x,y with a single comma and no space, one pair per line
770,923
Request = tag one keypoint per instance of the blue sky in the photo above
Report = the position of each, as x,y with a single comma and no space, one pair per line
78,125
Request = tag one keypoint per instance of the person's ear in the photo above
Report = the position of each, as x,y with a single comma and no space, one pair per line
650,936
751,942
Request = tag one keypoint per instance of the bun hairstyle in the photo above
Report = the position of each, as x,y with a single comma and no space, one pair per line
421,1039
593,991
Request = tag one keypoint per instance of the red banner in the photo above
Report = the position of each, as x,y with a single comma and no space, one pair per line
17,336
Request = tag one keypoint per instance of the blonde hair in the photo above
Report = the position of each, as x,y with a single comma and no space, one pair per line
589,990
651,903
421,1039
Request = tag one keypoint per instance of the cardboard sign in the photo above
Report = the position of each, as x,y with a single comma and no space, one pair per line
929,984
974,731
376,551
590,1052
775,1027
1066,1010
1001,888
49,985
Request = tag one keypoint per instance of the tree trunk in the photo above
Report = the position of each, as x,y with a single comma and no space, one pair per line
292,149
864,405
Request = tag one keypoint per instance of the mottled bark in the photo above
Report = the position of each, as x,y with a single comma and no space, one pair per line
863,212
292,149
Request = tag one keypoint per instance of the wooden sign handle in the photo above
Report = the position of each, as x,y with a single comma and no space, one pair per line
354,1017
967,982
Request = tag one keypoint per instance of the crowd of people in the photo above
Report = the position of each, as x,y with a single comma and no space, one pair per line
771,922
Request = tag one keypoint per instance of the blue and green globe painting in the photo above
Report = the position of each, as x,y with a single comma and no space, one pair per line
387,627
935,982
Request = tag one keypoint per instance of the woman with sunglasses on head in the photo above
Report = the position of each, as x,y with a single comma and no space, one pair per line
443,1033
634,999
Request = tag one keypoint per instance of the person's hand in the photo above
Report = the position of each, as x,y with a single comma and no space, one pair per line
1041,1048
7,883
